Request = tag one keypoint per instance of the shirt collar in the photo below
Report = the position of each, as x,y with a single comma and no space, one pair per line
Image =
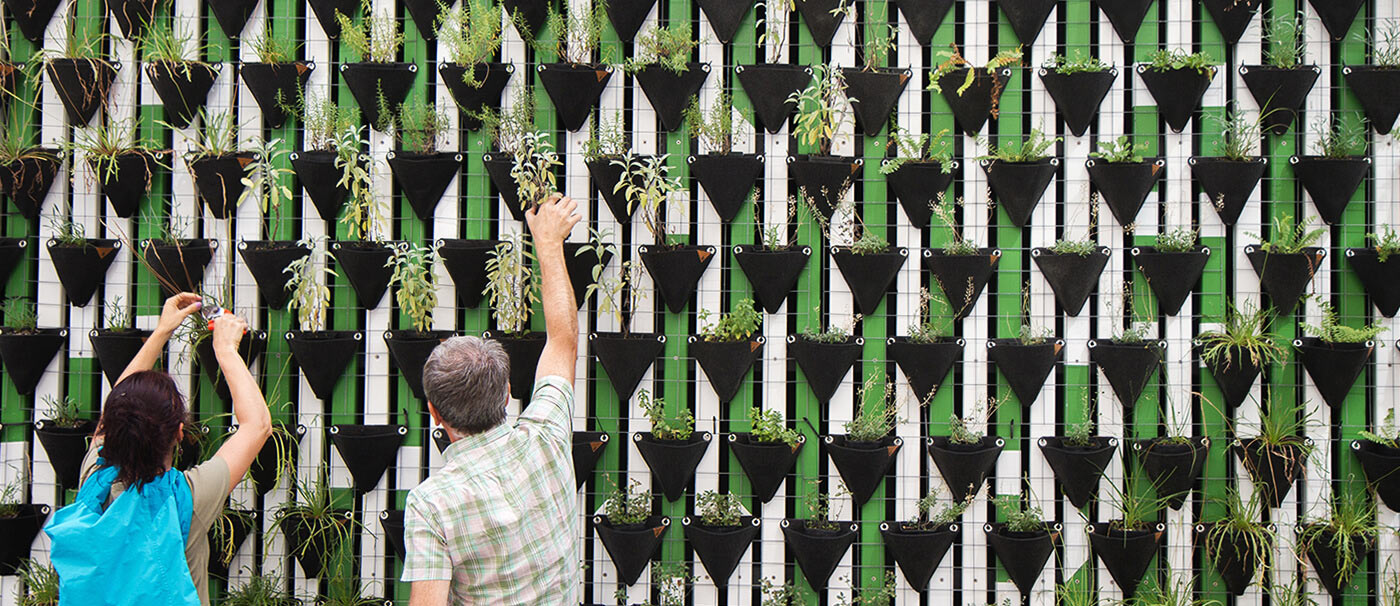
476,446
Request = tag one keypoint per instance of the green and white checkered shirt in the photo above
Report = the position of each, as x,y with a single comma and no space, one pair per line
500,519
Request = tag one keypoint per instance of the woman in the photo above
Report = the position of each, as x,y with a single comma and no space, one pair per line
122,545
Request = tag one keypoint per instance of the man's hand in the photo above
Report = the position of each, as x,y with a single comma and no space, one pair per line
228,333
552,220
176,309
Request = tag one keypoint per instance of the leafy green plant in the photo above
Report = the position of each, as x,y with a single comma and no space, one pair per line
1020,515
309,285
878,414
322,121
666,47
1238,534
1331,330
267,179
618,296
677,427
880,39
1337,138
1353,516
1136,510
364,216
919,148
20,315
864,240
1288,239
1179,240
1287,42
672,582
1163,60
66,232
1238,134
718,509
1076,63
1283,423
64,411
1034,148
647,185
12,493
376,38
470,32
1386,244
785,594
772,25
737,325
715,129
628,506
1081,434
1120,150
881,592
1081,248
421,126
510,284
271,48
116,316
946,213
768,427
574,34
40,582
821,108
832,334
533,168
1243,332
952,60
819,505
415,283
1386,434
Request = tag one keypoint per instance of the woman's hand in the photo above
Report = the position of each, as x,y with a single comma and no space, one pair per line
228,333
176,309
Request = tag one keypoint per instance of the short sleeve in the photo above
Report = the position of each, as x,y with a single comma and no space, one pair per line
209,487
425,547
551,404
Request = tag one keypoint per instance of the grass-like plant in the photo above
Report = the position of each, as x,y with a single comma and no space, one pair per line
1352,516
1331,329
510,284
415,285
1120,150
718,509
666,47
20,316
376,38
716,129
259,590
1238,534
1286,40
66,231
1338,138
470,32
317,511
1077,62
767,427
574,34
270,48
1243,332
1238,134
627,506
219,137
1172,590
222,547
879,411
919,148
40,583
1076,591
1136,510
737,325
172,45
103,142
64,411
1384,44
821,108
666,426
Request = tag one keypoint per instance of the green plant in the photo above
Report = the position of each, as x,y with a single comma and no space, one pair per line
20,315
628,506
1295,592
1353,516
715,129
510,284
667,47
864,240
1243,332
116,316
1283,423
1120,150
219,137
40,583
1238,534
946,213
953,60
925,329
819,505
470,32
315,511
102,143
832,334
420,126
737,325
222,547
618,296
1338,138
1082,248
821,108
1331,330
882,593
1384,44
416,286
878,414
1386,434
363,216
506,128
647,186
672,582
12,493
768,427
880,39
1081,434
919,148
677,427
1386,244
1077,592
267,178
607,139
574,34
1136,332
1136,510
772,24
274,49
1075,63
718,509
928,515
533,168
1034,148
1288,239
67,232
1238,134
1179,240
322,121
971,427
1285,33
175,46
308,282
376,38
259,590
1020,515
1163,60
785,594
778,235
1174,590
65,411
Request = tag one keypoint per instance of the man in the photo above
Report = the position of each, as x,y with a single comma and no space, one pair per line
498,524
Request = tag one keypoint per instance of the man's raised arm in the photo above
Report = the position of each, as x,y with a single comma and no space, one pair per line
550,223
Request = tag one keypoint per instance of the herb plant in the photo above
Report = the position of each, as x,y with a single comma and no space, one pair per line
925,329
1288,239
607,138
919,148
1020,515
678,427
259,590
1286,41
928,515
1076,63
649,188
1034,148
415,283
40,582
768,427
832,334
20,316
533,168
946,213
64,412
470,32
1238,534
420,126
1386,434
735,326
1386,244
666,47
510,284
270,48
878,411
627,506
1384,45
715,129
1163,60
1353,516
1120,150
1238,135
376,38
574,34
970,428
952,60
266,179
364,216
1339,138
308,283
718,509
1081,248
1179,240
506,128
821,108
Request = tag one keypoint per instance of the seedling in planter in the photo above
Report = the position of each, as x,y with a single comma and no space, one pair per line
970,428
952,60
925,329
919,148
778,236
315,508
1027,333
274,49
510,285
40,582
832,334
929,514
1238,134
172,45
677,427
821,108
64,412
376,39
1244,331
1288,239
737,325
649,188
1136,510
1338,138
607,138
1287,41
116,316
12,492
574,34
1239,535
629,506
618,296
1120,150
878,414
416,288
1174,590
20,316
323,121
882,593
1164,59
1386,434
1384,45
533,170
819,505
1076,63
667,47
672,582
719,509
66,232
471,34
880,36
1020,515
1034,148
506,128
1081,434
1284,423
219,136
1353,516
767,427
103,142
1331,330
1386,244
311,295
1179,240
1081,248
714,129
420,126
1077,592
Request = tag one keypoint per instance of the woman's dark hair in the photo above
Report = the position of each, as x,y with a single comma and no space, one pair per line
140,423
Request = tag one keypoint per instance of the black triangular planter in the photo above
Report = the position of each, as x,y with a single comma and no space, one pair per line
720,547
627,17
178,268
12,252
1274,468
391,521
1284,277
924,16
672,462
606,175
19,531
325,11
1019,186
1381,464
531,12
319,176
423,178
1078,96
917,551
1378,90
873,94
1234,558
1234,377
725,16
472,99
1280,92
726,363
369,81
410,350
363,264
127,179
670,92
626,358
1022,554
267,260
264,469
1178,92
1128,366
1124,186
676,271
28,180
823,179
26,356
965,467
275,85
1323,557
368,450
1227,183
825,364
1333,367
631,546
770,87
916,185
580,267
1025,367
925,364
1078,468
972,108
1126,553
765,463
1232,17
524,352
727,180
574,89
816,551
1027,17
1173,468
65,447
772,273
588,448
862,465
465,261
1126,16
182,86
239,527
219,181
870,276
1172,276
233,16
323,356
822,18
82,85
1072,277
1330,182
133,16
962,277
1382,280
1337,15
311,542
425,14
253,345
32,16
82,267
114,350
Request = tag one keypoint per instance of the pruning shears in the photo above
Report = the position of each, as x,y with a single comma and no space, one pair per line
211,313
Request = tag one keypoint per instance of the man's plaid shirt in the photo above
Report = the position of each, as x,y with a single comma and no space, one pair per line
500,519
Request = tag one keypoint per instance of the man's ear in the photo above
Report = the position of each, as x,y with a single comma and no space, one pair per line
433,411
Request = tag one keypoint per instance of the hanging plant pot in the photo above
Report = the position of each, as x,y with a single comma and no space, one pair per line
20,530
81,267
873,94
391,521
82,85
862,465
1337,15
1228,184
313,539
1124,186
276,452
923,18
133,16
178,267
1022,554
423,178
1235,557
822,18
1284,277
410,350
274,85
965,467
1172,276
726,363
917,184
426,14
252,345
1019,186
12,252
1078,96
631,546
1126,553
1072,277
26,355
323,356
267,260
870,275
182,86
372,83
1178,92
28,180
114,349
925,364
1078,468
1025,367
973,106
491,79
588,448
579,266
1322,553
232,16
627,17
219,181
606,175
918,551
498,167
1273,467
364,265
670,92
727,180
770,87
1378,90
825,364
725,16
676,271
32,16
1333,367
1027,17
325,11
320,177
626,358
1234,376
720,547
1380,463
1232,17
818,551
465,261
962,277
1330,182
524,351
766,464
367,450
65,447
1126,17
1281,92
1382,280
532,13
672,462
1172,466
238,526
1128,366
823,179
125,179
772,273
574,89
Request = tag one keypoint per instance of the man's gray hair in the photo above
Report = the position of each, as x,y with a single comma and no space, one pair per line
466,379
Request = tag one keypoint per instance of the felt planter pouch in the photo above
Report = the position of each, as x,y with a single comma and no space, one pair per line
491,78
1337,15
1178,92
314,538
1072,277
1019,186
1381,464
1022,554
574,89
870,276
1124,186
367,450
873,94
587,449
727,180
579,266
1126,553
465,261
1234,558
822,18
962,277
676,271
27,180
65,447
392,523
32,16
770,87
1382,280
530,12
631,546
1078,468
410,350
1273,467
1235,376
725,16
19,531
1378,90
1078,96
183,87
923,18
726,363
82,267
1128,366
232,16
426,14
973,106
323,356
1284,277
1126,17
917,551
627,16
1330,182
766,464
125,179
319,176
223,548
626,358
253,345
1322,553
274,85
82,85
498,167
720,547
1027,17
267,260
672,462
772,273
916,185
370,82
114,349
1280,91
925,364
12,252
863,465
965,467
1172,276
178,267
1173,467
670,92
1025,367
1232,17
27,355
423,178
606,175
1333,367
325,11
524,351
818,551
1228,184
280,448
364,265
132,16
825,364
823,179
219,181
